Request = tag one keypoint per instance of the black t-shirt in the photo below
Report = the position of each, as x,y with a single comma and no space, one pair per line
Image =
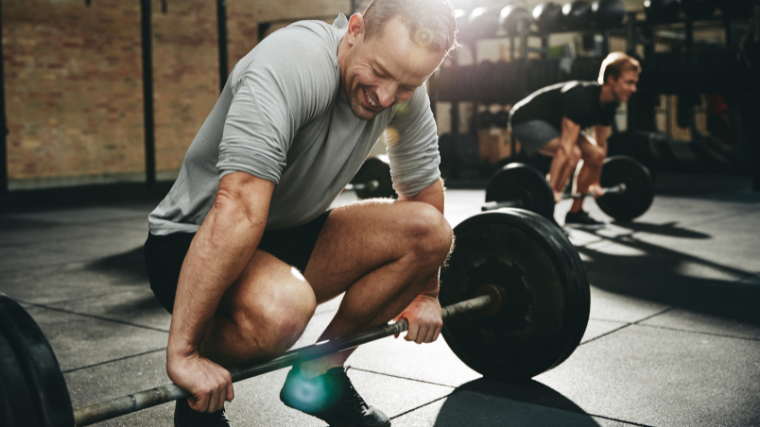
576,100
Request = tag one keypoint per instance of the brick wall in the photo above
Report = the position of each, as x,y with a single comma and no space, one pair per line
73,79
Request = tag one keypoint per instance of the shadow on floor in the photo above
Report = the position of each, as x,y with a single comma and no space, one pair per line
669,229
485,402
659,275
129,266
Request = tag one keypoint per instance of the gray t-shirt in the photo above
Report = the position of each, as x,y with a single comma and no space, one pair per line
284,117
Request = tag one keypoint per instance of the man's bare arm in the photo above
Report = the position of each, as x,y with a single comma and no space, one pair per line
424,313
600,134
561,166
432,194
218,254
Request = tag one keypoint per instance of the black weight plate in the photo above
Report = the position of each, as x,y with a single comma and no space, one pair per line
38,364
546,309
525,184
639,192
17,400
375,169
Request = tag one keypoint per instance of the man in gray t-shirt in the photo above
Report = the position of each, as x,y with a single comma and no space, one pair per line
243,248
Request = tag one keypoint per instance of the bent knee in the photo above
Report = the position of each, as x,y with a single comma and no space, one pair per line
432,234
597,157
575,155
277,318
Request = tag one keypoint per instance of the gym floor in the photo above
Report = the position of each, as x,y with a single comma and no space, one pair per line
673,340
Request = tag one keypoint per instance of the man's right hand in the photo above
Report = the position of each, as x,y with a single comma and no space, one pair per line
209,384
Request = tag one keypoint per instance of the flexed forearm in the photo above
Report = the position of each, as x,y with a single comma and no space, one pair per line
218,254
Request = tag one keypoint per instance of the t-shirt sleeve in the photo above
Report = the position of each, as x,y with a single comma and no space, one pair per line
576,105
289,78
412,145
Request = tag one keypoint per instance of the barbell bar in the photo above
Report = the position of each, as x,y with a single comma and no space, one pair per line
170,392
617,189
515,267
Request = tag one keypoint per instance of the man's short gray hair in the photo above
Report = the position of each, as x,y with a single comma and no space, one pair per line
430,22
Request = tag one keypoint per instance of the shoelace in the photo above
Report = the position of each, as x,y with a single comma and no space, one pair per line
353,396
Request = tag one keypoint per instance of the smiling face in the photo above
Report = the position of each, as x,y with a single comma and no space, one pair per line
383,70
624,86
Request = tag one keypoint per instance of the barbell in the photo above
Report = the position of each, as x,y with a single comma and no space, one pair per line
627,184
516,300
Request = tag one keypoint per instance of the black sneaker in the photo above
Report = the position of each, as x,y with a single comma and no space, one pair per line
581,219
184,416
332,398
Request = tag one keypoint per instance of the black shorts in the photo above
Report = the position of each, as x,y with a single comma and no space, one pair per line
164,254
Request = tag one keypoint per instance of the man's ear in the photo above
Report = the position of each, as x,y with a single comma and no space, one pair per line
355,31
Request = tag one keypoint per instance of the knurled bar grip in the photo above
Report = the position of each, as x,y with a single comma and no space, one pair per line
167,393
620,188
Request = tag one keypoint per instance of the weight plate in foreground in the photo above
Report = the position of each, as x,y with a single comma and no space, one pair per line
546,307
375,169
638,195
38,366
525,184
18,406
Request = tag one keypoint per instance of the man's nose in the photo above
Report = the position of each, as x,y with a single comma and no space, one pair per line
386,94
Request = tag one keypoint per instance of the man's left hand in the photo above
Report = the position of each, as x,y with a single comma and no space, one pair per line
424,317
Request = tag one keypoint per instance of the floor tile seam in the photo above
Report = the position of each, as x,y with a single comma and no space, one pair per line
35,243
119,359
621,322
579,412
652,316
700,332
56,264
81,223
93,316
627,324
399,377
606,334
70,300
409,411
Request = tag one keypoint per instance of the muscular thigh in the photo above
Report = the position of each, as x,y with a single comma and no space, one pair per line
358,239
589,147
266,286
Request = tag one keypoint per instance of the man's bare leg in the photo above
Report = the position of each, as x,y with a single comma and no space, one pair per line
382,254
589,169
262,314
563,173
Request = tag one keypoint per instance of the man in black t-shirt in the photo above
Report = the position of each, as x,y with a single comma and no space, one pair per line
550,121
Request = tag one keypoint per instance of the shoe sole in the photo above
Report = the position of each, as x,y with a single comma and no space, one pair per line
327,418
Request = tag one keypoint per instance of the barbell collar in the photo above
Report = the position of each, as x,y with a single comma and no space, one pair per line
170,392
491,206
